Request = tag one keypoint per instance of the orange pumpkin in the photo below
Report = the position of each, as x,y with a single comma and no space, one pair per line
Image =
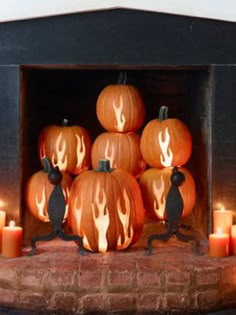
68,147
106,208
155,184
165,141
122,149
120,108
38,190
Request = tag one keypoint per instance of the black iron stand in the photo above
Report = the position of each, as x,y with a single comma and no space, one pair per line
56,212
174,210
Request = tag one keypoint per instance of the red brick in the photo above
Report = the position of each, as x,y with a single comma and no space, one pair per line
229,277
35,300
121,279
207,277
33,276
149,280
177,277
91,280
7,297
61,301
209,299
149,302
121,302
8,276
65,278
93,303
177,300
229,297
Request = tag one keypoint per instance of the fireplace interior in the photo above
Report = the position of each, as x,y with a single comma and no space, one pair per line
50,95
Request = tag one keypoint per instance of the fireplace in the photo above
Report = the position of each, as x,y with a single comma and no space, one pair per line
55,68
53,94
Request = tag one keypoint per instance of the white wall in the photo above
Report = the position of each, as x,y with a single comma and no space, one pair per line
25,9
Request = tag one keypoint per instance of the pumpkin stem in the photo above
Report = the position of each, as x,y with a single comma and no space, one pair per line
122,79
47,165
163,113
65,122
104,166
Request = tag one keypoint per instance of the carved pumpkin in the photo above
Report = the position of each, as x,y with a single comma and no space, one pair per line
120,108
68,147
155,184
165,141
38,190
121,149
106,208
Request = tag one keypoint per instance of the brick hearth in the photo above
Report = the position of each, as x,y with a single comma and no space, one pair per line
58,279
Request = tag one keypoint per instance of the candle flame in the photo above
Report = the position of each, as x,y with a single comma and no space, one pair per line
220,206
2,203
219,230
12,223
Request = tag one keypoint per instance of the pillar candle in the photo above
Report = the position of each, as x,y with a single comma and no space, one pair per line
219,244
12,240
233,240
2,224
222,219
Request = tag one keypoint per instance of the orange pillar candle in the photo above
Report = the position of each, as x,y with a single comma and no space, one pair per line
2,224
219,244
222,219
12,240
233,240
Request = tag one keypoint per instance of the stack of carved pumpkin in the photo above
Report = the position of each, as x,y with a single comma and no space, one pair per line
165,143
121,111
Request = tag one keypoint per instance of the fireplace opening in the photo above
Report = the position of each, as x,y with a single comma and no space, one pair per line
50,94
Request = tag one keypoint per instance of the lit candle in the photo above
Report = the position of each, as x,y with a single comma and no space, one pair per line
12,240
222,219
219,244
2,224
233,240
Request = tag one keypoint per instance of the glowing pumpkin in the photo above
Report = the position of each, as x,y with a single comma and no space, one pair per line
38,190
68,147
120,108
106,208
121,149
155,184
166,141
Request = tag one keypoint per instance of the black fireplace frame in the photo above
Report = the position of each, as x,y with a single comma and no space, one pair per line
121,38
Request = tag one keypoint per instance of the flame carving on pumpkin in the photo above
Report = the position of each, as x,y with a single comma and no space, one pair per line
120,118
78,215
159,202
110,155
124,219
59,157
81,150
167,154
41,205
101,220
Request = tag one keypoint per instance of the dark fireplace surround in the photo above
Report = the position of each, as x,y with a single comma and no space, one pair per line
55,67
